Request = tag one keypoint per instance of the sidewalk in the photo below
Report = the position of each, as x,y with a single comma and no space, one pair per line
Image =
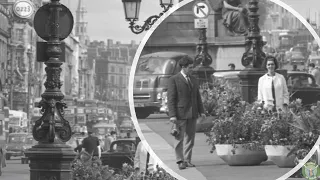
162,149
209,166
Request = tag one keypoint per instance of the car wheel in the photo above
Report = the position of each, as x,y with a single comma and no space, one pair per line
8,156
142,113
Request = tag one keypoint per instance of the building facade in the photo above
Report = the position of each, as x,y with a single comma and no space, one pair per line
280,18
86,67
113,64
4,45
21,59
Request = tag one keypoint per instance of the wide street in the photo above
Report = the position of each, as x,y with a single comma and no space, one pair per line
156,131
15,170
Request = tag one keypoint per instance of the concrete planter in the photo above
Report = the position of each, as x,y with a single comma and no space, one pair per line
278,155
240,156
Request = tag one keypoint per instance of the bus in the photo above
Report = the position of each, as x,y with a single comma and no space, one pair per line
18,120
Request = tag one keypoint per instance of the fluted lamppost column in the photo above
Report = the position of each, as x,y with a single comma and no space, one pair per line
202,69
50,158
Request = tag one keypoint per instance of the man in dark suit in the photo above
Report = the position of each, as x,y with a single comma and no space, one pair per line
91,144
185,105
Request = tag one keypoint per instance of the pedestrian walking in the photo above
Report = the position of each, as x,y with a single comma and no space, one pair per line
91,145
107,143
295,68
272,87
232,66
143,162
2,158
315,72
185,105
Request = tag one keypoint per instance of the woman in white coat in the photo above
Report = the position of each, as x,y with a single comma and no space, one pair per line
143,161
272,87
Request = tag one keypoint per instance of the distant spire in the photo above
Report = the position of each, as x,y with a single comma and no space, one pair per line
81,24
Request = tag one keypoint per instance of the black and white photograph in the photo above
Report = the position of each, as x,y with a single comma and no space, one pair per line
64,109
65,101
229,90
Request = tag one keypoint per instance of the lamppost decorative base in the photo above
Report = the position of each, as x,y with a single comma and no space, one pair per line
249,83
52,123
50,161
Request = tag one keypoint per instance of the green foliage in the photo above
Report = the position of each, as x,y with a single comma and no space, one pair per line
235,120
83,167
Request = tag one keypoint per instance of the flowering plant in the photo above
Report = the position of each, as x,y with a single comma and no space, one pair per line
236,121
276,129
83,167
219,92
307,126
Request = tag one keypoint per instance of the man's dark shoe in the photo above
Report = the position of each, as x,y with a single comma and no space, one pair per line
189,164
182,165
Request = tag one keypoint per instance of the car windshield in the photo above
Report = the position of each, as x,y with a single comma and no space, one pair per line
299,49
14,121
17,139
29,140
155,65
124,146
315,61
300,81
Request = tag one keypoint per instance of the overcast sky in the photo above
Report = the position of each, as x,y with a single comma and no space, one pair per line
106,17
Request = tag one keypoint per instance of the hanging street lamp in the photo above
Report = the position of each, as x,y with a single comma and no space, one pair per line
132,9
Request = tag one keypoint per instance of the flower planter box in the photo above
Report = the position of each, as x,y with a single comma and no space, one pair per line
278,155
240,156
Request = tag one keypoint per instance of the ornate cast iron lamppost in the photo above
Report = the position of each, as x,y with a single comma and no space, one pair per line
132,8
50,158
203,60
202,69
253,57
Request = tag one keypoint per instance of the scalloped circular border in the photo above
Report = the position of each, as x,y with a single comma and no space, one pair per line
135,62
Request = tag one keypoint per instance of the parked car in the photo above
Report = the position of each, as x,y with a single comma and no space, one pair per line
152,73
127,125
297,57
121,151
18,143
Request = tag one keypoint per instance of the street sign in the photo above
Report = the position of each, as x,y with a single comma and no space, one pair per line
43,22
23,8
200,23
201,9
42,55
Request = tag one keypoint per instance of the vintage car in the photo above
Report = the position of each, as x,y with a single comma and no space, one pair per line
152,73
104,128
297,57
122,151
18,143
126,125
